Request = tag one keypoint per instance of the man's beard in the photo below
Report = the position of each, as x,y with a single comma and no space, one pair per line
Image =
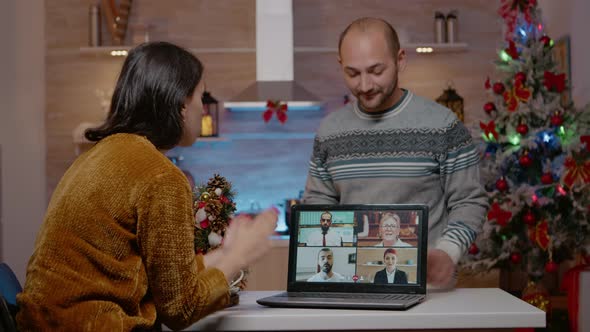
325,229
385,98
326,268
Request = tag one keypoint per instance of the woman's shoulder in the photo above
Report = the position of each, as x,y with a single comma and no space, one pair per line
132,157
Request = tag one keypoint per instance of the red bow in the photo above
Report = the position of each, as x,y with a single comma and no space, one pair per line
488,129
554,82
501,216
518,93
539,234
275,107
571,285
576,171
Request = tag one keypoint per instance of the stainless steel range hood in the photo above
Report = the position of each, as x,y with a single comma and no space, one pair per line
274,63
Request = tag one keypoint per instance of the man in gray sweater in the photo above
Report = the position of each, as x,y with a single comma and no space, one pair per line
392,146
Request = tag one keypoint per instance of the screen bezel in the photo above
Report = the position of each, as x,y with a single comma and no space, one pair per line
300,286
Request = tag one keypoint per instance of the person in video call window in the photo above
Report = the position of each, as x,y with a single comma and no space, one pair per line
324,267
323,236
389,227
390,274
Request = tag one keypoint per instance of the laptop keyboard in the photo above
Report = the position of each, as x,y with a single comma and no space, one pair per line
391,297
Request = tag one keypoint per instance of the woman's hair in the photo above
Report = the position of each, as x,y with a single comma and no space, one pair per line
154,83
390,215
389,251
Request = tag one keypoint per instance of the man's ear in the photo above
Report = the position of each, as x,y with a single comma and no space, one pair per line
401,59
339,60
183,112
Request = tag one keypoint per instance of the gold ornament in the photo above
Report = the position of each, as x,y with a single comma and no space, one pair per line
535,294
205,196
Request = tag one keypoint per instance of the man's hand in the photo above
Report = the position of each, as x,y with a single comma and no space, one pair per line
440,268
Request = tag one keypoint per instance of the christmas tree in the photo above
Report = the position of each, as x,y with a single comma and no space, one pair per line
535,163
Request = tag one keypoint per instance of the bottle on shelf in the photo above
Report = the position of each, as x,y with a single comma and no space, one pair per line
452,27
94,37
439,27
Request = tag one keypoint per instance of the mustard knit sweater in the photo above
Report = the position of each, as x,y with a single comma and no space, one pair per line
116,250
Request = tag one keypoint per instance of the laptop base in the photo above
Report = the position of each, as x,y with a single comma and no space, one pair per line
342,300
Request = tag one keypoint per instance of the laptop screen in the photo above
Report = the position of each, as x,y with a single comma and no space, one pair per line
358,247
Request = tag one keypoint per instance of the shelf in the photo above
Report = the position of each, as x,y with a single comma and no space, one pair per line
258,136
422,48
212,139
122,50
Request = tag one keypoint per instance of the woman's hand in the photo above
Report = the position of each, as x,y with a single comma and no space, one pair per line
245,241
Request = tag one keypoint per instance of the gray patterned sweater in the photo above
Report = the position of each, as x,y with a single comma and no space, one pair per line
415,152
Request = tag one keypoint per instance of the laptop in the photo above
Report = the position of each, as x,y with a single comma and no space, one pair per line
355,257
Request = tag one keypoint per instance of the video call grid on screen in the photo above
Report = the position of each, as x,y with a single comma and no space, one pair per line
357,242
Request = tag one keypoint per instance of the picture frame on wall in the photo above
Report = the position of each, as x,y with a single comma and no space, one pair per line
562,57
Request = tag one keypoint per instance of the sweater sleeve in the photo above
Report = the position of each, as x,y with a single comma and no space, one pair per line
319,188
183,289
465,198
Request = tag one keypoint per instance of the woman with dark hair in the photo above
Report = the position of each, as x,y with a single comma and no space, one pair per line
390,274
116,249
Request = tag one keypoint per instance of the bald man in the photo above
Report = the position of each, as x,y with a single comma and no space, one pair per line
392,146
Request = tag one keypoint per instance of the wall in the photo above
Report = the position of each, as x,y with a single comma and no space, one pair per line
570,18
22,129
73,78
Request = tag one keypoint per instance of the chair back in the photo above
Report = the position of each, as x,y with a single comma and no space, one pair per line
7,317
9,287
9,284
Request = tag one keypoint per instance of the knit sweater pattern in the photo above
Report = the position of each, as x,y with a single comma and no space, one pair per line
116,249
416,152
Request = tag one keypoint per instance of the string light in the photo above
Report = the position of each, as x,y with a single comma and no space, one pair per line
546,137
514,139
504,56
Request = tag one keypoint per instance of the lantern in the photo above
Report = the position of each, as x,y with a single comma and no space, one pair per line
453,101
210,117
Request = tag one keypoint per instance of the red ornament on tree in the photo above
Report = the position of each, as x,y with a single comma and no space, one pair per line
520,77
502,184
522,129
502,217
473,249
556,120
515,258
547,178
489,107
529,218
551,267
498,88
525,160
545,40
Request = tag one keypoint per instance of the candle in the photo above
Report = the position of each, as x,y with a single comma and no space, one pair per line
206,125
